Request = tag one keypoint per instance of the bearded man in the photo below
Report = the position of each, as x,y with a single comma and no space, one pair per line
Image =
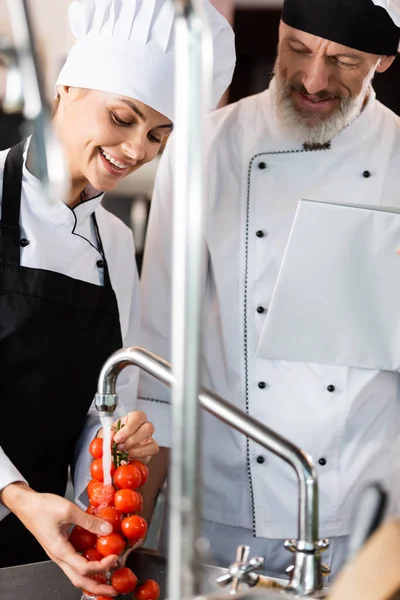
318,133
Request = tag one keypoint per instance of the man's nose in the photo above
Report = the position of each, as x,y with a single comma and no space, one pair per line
316,77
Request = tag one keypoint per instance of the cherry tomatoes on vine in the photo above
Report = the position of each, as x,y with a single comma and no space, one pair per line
127,477
112,516
134,528
81,539
127,501
149,590
96,448
110,544
101,495
144,470
96,469
93,554
124,580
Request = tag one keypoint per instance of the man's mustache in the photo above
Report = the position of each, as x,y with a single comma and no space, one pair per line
321,95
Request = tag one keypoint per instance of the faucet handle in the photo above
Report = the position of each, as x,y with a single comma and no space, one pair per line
325,570
241,571
319,547
323,545
290,545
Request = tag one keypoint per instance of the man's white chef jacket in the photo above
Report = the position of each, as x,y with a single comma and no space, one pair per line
346,418
63,240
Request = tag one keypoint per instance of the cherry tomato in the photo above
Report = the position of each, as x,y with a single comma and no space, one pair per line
127,476
110,544
92,483
149,590
134,528
112,516
96,469
144,470
91,510
96,448
127,501
81,539
140,507
102,495
93,554
102,597
124,581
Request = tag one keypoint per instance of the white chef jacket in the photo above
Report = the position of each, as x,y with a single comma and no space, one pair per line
346,418
63,240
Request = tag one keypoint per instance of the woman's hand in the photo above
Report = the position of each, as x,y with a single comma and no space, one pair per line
135,437
48,518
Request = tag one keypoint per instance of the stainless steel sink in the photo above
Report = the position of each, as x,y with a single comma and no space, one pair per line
45,581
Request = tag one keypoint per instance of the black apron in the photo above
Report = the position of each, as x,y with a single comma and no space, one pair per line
55,334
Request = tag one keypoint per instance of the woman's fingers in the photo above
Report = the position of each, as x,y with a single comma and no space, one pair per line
132,423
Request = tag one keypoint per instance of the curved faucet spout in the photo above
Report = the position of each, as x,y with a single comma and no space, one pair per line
306,575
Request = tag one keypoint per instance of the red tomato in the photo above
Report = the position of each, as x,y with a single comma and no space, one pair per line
127,476
93,554
91,510
140,507
96,448
112,516
144,470
127,501
81,539
124,581
92,484
149,590
102,597
102,495
110,544
96,469
134,528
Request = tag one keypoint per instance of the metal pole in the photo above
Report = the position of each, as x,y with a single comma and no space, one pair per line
192,51
50,164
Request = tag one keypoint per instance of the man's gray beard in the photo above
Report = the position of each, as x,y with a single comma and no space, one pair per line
323,130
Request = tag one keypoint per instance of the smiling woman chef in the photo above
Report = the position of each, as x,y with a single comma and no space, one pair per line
69,291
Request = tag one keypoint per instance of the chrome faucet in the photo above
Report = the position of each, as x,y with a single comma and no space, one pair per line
306,574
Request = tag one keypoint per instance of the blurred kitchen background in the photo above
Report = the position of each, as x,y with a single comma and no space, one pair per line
256,27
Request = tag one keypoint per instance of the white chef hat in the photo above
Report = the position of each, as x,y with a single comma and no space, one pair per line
127,47
393,8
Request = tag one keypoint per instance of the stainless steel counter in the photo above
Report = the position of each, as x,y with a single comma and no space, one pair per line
45,581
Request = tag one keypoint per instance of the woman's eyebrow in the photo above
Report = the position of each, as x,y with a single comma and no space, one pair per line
139,113
133,107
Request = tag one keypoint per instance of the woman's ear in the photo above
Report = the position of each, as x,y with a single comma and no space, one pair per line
63,90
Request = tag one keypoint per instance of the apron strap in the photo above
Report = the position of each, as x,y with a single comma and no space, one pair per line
107,280
11,204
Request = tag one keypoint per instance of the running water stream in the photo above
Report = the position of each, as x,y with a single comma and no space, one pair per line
106,422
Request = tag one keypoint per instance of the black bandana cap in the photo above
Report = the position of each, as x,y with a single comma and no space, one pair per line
357,24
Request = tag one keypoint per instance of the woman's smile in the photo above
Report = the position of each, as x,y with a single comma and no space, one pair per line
113,166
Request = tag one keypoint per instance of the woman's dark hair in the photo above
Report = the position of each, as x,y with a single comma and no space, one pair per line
54,106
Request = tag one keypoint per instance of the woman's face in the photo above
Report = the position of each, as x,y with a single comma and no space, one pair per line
105,136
